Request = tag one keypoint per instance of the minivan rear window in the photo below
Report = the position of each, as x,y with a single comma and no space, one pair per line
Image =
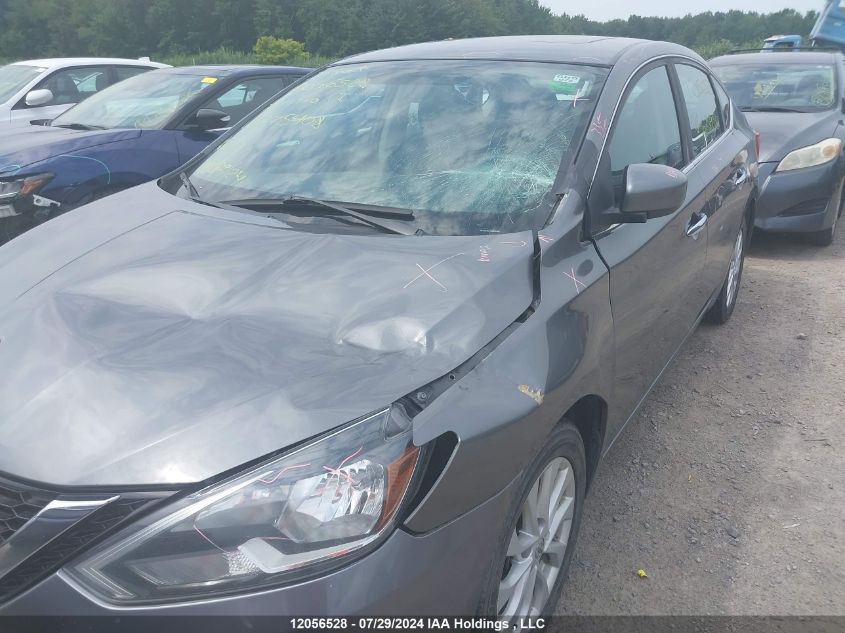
805,87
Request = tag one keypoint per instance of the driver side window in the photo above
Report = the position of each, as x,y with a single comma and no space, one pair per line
645,130
245,97
72,85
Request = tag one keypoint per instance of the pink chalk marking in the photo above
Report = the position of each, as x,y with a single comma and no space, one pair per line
426,272
544,238
360,448
578,282
200,532
282,472
338,472
599,125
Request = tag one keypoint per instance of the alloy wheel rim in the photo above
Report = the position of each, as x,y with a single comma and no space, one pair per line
538,543
733,272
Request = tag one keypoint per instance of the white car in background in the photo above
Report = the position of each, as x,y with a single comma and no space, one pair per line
44,88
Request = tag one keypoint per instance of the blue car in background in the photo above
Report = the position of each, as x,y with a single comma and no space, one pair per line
130,133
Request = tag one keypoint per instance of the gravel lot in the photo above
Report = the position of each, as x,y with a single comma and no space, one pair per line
728,488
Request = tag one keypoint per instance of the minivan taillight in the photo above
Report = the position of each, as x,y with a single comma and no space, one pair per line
757,143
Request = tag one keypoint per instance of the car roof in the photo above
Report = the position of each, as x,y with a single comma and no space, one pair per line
787,57
586,49
237,70
61,62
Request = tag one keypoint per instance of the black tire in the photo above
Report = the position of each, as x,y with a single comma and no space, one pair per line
825,237
563,441
721,311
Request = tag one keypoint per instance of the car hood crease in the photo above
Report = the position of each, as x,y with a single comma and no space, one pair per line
191,344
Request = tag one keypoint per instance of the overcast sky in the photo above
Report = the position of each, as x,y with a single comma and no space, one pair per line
610,9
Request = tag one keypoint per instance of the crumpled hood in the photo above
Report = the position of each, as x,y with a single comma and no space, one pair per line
22,146
176,342
782,132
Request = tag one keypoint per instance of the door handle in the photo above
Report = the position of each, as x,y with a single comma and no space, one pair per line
740,176
697,222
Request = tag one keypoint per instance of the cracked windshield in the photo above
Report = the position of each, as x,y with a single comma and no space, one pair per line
469,147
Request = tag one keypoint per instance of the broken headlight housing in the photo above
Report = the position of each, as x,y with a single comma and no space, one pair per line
299,513
21,187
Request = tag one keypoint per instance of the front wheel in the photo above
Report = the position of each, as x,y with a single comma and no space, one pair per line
535,550
825,237
726,301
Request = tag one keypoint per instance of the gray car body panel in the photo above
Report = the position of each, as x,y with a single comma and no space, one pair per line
196,342
589,297
405,575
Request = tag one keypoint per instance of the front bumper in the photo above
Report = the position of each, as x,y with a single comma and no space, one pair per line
438,573
797,201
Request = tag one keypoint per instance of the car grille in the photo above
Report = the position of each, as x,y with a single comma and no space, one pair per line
17,506
20,503
808,207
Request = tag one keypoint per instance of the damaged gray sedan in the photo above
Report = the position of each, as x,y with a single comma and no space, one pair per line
365,354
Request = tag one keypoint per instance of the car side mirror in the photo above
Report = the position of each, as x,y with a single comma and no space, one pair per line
39,97
209,119
651,191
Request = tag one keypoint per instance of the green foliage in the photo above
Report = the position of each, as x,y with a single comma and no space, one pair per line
218,56
275,50
173,30
229,56
723,46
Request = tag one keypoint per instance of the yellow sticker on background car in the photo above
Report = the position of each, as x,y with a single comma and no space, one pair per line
208,80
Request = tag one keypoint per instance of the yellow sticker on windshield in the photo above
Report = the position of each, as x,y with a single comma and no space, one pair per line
208,80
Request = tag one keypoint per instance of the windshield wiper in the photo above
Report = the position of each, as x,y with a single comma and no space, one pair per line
192,191
770,109
79,126
397,223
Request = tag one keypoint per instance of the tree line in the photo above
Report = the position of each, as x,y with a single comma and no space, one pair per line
334,28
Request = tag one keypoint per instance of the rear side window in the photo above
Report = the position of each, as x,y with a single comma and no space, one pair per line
646,129
702,108
724,104
125,72
244,97
72,85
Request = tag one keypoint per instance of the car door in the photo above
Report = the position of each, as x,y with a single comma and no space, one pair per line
237,100
69,86
721,157
656,286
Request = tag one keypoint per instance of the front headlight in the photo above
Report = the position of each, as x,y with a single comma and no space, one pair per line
818,154
12,189
309,508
